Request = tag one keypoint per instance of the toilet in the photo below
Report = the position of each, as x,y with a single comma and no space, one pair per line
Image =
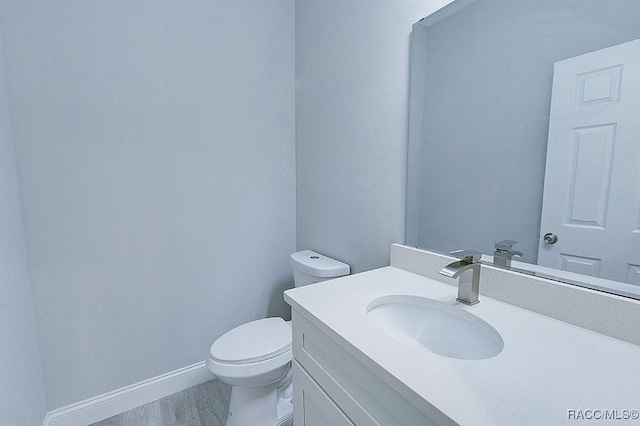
255,358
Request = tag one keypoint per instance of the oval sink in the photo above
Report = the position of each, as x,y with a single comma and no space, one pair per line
435,326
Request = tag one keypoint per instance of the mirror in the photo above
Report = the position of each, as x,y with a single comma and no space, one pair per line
503,148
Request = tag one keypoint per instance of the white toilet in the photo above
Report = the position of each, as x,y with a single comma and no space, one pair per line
255,358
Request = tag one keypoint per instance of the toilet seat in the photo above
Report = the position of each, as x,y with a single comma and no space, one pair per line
253,342
252,354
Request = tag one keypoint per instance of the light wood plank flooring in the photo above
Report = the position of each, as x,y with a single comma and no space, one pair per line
203,405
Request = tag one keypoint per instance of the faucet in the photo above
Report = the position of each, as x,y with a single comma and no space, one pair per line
468,269
503,254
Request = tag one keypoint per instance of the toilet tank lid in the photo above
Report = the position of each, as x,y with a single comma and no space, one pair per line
318,265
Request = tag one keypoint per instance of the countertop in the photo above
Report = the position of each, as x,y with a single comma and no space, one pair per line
547,367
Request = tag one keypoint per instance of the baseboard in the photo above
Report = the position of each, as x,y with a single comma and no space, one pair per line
109,404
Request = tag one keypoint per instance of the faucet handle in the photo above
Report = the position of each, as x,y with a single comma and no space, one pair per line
505,245
467,256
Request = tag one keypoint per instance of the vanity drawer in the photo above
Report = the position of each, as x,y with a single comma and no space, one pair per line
361,394
312,406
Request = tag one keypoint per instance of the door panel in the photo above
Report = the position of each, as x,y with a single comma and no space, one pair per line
592,180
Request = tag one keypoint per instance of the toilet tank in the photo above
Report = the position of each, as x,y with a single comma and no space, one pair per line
310,267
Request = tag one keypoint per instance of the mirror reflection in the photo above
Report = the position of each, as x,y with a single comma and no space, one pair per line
524,137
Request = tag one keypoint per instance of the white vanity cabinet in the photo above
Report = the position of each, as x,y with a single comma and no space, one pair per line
331,387
348,370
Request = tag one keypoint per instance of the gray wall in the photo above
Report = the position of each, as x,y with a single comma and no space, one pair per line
352,62
488,78
155,144
22,398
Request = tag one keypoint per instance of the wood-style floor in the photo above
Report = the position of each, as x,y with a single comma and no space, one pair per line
203,405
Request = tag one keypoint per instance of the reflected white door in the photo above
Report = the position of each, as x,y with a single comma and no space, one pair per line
592,182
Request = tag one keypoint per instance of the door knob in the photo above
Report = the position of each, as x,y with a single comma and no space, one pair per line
550,238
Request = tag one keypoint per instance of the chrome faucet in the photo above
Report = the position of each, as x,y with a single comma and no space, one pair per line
468,269
503,254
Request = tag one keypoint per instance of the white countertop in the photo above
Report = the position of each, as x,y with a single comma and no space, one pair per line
547,367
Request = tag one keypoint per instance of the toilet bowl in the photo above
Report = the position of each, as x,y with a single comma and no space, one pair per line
255,358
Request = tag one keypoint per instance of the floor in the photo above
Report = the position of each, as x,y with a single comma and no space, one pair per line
202,405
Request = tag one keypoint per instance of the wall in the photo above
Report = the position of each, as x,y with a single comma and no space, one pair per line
352,62
155,145
487,99
22,398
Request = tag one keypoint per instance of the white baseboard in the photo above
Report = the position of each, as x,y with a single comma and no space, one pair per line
109,404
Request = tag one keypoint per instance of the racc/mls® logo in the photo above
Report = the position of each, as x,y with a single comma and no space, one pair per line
603,414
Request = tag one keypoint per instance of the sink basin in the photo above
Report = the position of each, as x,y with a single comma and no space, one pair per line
436,327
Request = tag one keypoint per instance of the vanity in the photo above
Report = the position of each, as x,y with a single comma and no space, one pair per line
553,361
